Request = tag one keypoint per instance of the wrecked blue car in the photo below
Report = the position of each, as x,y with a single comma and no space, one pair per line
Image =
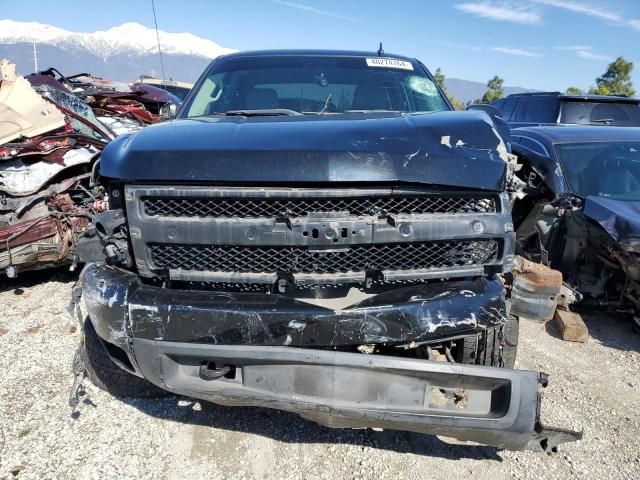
582,215
318,232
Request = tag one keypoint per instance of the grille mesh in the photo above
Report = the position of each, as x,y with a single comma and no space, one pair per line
302,260
297,207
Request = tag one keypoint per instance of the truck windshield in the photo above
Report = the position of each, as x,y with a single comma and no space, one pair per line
608,169
601,113
313,85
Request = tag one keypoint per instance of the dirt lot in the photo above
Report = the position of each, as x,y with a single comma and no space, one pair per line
594,386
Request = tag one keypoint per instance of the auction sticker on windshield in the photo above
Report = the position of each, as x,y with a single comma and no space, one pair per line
389,63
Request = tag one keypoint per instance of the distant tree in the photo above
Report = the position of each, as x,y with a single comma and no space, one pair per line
616,80
574,91
440,79
457,104
439,76
600,90
494,90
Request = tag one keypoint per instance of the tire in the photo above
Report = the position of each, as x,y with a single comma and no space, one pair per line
473,351
108,376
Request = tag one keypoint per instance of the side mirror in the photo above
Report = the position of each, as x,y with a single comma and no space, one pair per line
168,111
485,107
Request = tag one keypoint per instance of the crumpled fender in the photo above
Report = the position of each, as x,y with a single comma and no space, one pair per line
619,218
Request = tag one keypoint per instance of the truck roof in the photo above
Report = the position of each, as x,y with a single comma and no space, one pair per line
578,97
317,53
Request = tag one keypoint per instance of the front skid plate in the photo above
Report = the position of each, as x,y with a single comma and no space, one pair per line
494,406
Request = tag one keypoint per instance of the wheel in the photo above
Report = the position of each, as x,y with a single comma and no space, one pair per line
483,349
108,376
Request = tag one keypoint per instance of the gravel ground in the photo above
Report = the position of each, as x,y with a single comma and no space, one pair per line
594,386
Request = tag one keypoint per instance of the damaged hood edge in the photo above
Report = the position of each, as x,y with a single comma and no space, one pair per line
456,149
619,218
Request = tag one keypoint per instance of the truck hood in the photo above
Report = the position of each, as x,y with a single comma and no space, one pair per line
455,149
620,219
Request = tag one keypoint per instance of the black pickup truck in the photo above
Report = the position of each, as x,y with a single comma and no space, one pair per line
555,108
318,232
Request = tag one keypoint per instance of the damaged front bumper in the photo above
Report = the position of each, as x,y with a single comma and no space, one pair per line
238,349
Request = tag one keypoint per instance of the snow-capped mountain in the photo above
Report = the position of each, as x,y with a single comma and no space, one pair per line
122,52
129,37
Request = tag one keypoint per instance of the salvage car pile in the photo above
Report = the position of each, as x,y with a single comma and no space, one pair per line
52,130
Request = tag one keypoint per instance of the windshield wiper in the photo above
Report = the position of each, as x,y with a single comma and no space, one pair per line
377,110
267,112
602,120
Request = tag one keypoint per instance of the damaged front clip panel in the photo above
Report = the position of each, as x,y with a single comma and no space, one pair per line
264,350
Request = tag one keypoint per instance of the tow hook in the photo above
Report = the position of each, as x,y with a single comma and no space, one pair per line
209,373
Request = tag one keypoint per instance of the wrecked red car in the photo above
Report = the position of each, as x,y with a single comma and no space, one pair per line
118,106
52,130
47,153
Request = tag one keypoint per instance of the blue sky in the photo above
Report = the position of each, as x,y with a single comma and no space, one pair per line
546,44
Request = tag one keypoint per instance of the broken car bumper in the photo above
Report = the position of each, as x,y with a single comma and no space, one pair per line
247,358
418,314
488,405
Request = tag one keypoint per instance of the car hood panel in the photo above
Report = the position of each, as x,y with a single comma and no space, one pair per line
459,149
620,218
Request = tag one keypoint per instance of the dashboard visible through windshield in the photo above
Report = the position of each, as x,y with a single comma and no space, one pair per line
315,85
